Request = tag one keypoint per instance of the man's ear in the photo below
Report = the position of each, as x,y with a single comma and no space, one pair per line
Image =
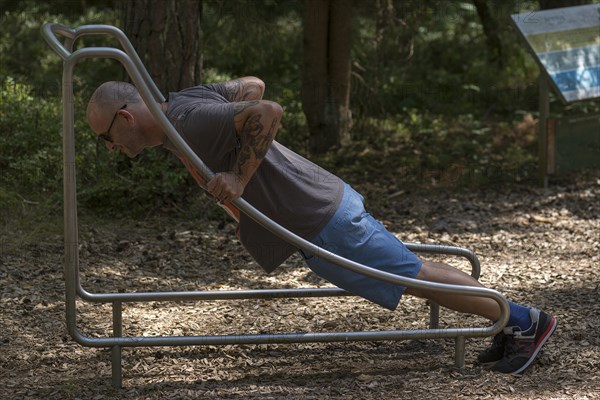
128,116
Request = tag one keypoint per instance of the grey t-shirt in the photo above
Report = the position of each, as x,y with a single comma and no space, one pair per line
288,188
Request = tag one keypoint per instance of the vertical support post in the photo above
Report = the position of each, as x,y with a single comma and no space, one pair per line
115,351
459,351
71,261
543,129
434,315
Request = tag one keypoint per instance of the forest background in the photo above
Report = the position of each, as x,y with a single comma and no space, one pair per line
440,94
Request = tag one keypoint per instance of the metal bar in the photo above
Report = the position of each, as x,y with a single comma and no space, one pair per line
283,338
116,350
71,259
129,50
434,315
459,351
212,295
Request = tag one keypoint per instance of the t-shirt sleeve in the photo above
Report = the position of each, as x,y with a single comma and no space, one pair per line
211,133
218,87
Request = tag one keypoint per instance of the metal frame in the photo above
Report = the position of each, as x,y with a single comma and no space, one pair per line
151,95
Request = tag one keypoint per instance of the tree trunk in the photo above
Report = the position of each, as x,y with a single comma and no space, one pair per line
326,73
491,30
166,35
340,47
384,25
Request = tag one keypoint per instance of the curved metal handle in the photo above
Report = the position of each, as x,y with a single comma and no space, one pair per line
49,32
50,29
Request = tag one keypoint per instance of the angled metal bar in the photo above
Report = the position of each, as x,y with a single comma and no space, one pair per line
130,60
301,243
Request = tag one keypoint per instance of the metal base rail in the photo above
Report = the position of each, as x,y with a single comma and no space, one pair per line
73,289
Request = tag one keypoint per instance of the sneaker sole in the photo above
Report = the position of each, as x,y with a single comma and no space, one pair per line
549,331
487,365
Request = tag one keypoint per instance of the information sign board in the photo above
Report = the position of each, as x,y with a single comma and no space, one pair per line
566,44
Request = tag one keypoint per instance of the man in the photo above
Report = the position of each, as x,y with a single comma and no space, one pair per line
232,129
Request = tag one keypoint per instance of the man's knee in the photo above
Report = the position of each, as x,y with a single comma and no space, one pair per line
426,271
421,275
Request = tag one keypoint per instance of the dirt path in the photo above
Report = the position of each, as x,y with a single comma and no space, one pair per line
537,247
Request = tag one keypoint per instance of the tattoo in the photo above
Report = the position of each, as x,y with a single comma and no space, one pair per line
254,144
239,107
233,88
251,91
252,127
243,157
264,142
240,90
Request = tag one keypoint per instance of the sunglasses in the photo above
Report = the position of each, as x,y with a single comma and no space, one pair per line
106,136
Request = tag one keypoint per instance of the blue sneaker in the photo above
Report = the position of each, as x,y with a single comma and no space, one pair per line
522,347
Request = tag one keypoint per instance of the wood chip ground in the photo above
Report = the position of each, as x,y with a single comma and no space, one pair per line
540,247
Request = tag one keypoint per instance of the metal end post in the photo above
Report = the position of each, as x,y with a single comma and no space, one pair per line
434,315
459,351
115,351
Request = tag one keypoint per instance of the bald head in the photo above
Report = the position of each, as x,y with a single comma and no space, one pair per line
107,100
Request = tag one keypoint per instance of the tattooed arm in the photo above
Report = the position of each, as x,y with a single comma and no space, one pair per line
247,88
256,123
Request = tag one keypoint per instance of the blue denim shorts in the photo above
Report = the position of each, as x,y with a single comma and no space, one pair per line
354,234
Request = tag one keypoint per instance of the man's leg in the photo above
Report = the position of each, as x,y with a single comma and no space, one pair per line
353,234
513,349
443,273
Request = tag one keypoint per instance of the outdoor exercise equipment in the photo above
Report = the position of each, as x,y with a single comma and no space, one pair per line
151,95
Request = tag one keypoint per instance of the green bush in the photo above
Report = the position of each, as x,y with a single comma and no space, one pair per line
26,56
30,144
31,161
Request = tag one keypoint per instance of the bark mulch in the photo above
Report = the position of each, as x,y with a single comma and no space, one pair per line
540,247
